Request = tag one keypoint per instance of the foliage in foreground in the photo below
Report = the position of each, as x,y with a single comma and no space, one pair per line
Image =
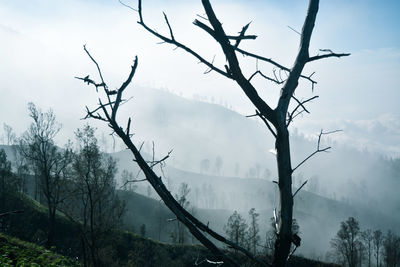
14,252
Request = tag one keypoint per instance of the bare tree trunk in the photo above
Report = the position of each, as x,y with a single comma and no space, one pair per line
284,237
52,227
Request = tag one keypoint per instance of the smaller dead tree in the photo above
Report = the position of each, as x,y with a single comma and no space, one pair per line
93,201
253,237
377,242
11,137
236,228
346,243
8,186
367,238
49,162
391,249
182,198
106,111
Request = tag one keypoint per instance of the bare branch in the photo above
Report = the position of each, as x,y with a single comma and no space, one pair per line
233,70
156,162
98,69
319,149
90,81
209,69
298,189
294,250
238,38
176,43
202,17
133,181
123,87
128,6
265,77
242,34
274,63
258,114
244,37
292,115
96,116
329,54
301,59
169,27
96,109
294,30
128,127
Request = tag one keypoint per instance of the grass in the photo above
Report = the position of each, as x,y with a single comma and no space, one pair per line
121,248
14,252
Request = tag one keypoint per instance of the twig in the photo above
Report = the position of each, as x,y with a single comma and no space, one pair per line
128,6
169,27
176,43
298,189
242,35
329,54
292,253
318,150
291,115
265,122
132,181
98,68
294,30
265,77
269,60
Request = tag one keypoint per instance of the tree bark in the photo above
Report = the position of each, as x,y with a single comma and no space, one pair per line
284,236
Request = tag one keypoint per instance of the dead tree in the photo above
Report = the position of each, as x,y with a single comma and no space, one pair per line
49,162
107,112
277,120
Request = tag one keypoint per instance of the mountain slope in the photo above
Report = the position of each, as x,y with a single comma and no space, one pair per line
15,252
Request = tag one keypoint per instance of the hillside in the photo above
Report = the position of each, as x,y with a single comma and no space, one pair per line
344,183
214,199
124,248
15,252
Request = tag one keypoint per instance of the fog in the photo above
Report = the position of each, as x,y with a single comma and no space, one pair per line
345,182
203,117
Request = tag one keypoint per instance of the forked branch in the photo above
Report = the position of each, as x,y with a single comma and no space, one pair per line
319,149
293,114
172,40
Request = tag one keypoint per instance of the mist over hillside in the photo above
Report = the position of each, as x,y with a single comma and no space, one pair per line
215,198
226,160
345,182
210,139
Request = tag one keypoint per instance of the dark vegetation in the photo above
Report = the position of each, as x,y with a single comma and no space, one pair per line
121,249
353,246
15,252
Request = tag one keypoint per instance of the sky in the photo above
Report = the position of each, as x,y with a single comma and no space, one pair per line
42,50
